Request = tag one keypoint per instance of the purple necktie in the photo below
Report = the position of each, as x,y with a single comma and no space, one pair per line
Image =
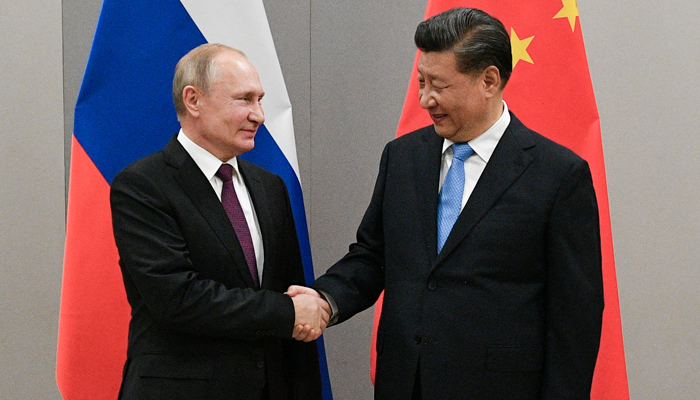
235,213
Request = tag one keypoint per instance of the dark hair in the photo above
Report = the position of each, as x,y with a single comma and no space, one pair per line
477,40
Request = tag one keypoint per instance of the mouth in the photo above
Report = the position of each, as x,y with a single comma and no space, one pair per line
437,118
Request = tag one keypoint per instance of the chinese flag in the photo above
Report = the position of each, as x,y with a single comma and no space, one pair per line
550,91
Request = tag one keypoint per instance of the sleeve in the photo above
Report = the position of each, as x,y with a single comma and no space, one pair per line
574,288
356,281
159,274
301,358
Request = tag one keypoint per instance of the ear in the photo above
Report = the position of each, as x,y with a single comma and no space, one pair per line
191,98
491,79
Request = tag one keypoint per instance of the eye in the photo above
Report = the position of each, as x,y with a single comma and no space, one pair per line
249,98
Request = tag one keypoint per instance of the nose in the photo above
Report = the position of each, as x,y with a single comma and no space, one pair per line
426,98
257,114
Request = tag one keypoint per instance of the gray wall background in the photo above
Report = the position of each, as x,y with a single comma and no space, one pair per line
32,205
347,67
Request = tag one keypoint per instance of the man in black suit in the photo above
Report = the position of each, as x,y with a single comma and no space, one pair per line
504,299
206,280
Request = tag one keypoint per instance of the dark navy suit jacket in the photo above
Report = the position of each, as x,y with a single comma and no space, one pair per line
200,329
511,308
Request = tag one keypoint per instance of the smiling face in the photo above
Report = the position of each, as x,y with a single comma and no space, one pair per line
225,120
461,106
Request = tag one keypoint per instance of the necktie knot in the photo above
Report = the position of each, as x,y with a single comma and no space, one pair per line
225,172
462,151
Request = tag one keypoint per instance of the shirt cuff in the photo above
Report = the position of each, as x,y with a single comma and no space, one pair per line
334,307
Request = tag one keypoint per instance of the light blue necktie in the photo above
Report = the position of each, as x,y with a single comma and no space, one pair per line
452,192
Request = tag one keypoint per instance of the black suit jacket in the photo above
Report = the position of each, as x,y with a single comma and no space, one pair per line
511,308
199,328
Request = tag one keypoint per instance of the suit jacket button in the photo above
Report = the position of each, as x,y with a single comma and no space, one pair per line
417,339
261,364
432,285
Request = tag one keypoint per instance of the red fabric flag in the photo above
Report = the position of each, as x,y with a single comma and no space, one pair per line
550,91
136,46
94,319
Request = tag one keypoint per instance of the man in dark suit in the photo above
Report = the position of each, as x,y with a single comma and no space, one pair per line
484,237
207,247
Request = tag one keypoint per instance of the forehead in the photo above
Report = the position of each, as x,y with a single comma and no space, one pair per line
234,69
434,64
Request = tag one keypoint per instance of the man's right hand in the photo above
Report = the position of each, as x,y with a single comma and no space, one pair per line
311,313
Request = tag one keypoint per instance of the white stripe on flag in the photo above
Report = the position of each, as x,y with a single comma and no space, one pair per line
242,24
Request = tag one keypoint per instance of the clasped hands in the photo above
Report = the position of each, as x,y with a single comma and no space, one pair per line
311,313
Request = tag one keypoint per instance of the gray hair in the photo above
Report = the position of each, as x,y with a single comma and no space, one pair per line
197,68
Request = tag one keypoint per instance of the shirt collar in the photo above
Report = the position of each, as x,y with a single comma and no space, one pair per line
484,144
207,162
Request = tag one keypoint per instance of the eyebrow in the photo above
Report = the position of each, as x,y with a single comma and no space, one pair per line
249,94
431,77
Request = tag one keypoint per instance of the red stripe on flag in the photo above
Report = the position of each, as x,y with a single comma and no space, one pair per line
94,317
553,96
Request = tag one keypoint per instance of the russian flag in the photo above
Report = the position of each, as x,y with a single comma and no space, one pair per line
124,112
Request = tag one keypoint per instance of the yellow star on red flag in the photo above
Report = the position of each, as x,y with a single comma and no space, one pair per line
519,48
570,11
548,108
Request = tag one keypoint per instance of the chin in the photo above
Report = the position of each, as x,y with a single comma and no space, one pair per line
444,133
248,146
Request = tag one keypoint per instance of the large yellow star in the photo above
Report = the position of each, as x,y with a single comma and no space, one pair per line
570,11
519,48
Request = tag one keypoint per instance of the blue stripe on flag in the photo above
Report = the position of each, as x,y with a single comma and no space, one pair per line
269,156
125,107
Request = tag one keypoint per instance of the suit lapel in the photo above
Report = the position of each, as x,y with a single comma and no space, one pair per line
426,169
199,190
508,162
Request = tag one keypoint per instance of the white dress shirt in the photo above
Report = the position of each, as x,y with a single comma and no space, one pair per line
209,164
483,146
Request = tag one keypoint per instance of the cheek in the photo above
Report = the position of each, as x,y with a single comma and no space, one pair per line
450,105
235,117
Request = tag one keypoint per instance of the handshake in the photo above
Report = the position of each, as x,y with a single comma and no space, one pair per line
311,313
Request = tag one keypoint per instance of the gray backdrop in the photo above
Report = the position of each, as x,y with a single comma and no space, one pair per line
347,67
